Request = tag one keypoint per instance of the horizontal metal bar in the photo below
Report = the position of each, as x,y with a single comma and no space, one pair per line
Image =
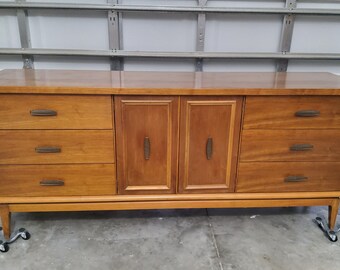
319,1
65,52
42,5
189,55
230,10
229,55
139,8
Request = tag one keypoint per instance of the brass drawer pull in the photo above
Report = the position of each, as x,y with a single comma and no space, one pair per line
47,149
209,148
147,146
301,147
44,113
52,183
307,113
295,178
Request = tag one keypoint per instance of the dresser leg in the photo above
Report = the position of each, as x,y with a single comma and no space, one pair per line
333,213
5,220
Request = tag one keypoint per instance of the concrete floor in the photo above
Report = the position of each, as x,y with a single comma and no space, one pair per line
215,239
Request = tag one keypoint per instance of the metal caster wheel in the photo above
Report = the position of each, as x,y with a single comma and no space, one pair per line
25,235
332,236
322,224
4,247
21,233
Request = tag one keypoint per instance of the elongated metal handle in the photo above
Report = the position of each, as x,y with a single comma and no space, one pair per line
147,146
52,183
307,113
209,148
48,149
44,113
296,178
301,147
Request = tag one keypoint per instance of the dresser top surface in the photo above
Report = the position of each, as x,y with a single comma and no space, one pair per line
168,83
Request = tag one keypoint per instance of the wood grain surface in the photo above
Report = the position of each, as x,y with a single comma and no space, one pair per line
169,205
270,176
279,113
5,216
73,112
168,83
275,145
77,146
154,119
171,197
79,180
216,119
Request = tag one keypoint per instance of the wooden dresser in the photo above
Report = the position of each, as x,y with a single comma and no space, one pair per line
97,140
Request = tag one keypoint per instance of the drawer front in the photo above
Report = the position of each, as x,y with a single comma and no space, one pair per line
292,113
290,145
56,147
57,180
288,176
55,112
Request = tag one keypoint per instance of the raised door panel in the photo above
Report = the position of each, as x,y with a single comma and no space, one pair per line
209,144
147,135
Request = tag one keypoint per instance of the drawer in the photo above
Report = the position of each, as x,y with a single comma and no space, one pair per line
57,180
288,176
290,145
55,112
56,146
292,113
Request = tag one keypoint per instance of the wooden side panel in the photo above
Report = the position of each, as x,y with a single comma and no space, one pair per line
209,144
279,113
278,145
270,176
79,180
76,146
73,112
147,144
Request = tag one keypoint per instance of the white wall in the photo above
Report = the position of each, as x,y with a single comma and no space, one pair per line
174,32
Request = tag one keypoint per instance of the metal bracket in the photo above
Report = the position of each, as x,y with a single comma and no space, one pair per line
201,20
286,35
114,26
4,244
323,225
25,39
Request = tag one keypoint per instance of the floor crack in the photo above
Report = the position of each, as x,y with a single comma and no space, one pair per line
214,240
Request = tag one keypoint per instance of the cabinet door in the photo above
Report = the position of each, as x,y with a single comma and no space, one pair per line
209,144
147,136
